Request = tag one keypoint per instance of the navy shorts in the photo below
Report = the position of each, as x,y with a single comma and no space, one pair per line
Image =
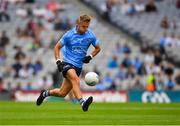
68,66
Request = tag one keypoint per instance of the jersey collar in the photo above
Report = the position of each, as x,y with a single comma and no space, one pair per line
76,32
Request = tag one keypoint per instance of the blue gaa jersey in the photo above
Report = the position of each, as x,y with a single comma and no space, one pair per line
75,46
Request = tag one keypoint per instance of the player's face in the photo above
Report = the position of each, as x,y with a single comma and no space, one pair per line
82,27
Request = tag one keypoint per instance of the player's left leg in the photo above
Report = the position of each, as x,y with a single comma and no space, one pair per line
71,97
75,81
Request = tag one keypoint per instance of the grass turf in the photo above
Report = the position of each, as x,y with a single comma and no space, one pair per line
66,113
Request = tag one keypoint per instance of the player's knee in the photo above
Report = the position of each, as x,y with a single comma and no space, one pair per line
75,81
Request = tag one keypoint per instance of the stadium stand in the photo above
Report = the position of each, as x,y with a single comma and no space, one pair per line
27,40
135,19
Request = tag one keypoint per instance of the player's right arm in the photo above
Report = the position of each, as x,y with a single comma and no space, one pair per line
63,41
57,48
59,62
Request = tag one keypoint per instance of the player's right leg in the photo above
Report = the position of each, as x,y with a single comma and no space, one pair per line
63,91
58,92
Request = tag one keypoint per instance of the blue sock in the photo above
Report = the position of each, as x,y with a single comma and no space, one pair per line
81,101
46,93
74,100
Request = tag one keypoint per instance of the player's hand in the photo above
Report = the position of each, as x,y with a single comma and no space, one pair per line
60,65
87,59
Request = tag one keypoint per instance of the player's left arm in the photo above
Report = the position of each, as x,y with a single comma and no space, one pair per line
96,50
96,45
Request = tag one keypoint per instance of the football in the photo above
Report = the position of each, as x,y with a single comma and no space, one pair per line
91,78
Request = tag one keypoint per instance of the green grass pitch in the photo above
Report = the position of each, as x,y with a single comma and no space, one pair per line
66,113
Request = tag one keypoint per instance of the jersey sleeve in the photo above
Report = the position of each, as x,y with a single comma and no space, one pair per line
64,39
95,41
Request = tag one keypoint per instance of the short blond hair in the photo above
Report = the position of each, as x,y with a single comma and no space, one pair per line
84,18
